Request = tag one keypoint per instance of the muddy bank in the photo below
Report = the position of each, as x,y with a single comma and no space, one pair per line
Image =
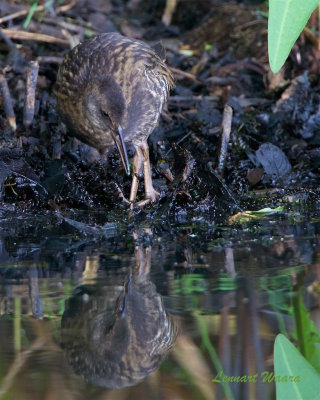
218,57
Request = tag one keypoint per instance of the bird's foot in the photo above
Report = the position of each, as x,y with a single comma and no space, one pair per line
151,196
120,194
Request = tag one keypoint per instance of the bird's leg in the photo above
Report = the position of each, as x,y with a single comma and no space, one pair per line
137,165
151,194
142,255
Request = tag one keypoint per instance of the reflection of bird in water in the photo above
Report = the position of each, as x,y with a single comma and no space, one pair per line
110,90
114,335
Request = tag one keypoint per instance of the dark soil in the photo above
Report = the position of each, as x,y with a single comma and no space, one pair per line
218,53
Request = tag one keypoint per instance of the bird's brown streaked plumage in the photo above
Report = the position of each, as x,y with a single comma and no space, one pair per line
117,338
111,86
122,331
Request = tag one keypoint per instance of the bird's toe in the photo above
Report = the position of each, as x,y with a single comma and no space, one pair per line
152,195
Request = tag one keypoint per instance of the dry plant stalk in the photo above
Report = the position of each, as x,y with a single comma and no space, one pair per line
225,138
32,77
169,11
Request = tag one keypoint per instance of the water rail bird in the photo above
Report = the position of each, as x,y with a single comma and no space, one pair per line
111,90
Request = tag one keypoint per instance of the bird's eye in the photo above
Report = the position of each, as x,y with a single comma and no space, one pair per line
105,115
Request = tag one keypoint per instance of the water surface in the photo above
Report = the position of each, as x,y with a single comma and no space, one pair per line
111,312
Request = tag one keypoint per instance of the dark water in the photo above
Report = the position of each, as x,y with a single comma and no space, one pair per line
119,313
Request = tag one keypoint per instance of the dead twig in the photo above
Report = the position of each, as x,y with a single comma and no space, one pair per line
19,14
179,142
251,65
169,11
7,40
66,25
191,99
37,37
225,138
32,77
311,37
14,57
66,7
40,8
49,60
165,171
184,74
7,102
72,39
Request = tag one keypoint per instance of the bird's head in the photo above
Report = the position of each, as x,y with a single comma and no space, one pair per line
105,108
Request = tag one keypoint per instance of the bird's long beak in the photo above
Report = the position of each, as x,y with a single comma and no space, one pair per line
118,139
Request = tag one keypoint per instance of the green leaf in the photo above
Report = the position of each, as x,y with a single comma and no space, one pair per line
245,216
288,362
287,18
190,284
306,333
203,328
